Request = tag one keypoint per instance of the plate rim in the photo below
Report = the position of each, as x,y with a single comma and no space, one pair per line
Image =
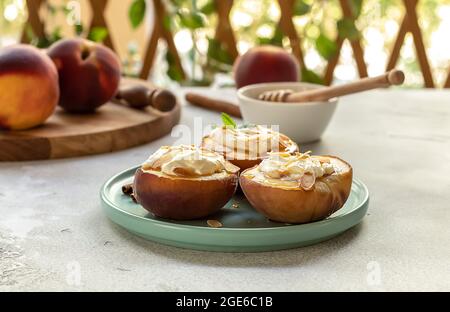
304,226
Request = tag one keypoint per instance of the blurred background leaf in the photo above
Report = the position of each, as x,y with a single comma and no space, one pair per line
301,8
191,20
79,29
173,71
217,52
311,77
347,29
136,12
98,34
208,8
356,6
326,47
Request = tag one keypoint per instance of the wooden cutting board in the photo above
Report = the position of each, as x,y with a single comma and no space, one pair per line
113,127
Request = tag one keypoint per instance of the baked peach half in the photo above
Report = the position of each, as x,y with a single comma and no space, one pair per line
297,188
247,146
185,182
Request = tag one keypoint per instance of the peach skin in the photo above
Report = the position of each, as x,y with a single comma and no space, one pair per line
89,74
29,88
265,64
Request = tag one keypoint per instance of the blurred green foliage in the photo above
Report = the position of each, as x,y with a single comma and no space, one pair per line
318,22
136,13
51,10
255,22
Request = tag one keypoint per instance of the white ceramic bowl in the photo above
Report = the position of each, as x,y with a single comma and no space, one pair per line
302,122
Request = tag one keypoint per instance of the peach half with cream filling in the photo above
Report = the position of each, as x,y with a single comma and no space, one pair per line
297,188
247,146
185,182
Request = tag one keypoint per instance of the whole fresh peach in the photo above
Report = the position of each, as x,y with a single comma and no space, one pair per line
265,64
89,74
28,87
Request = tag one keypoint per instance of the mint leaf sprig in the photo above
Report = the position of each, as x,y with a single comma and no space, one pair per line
228,121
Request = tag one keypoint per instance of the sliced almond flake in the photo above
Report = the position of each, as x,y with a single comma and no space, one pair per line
307,181
229,167
214,224
291,149
324,160
235,205
305,155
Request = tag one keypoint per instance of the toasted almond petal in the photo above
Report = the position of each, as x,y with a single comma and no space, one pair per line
323,160
307,181
305,155
274,174
229,167
214,224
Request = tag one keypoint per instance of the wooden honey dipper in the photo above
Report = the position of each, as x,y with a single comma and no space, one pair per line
139,96
393,77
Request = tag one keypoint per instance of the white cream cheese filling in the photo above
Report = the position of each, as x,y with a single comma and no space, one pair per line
186,160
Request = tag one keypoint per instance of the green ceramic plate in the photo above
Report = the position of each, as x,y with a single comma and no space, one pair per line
244,229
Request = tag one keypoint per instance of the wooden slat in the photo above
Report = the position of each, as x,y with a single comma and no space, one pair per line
168,37
34,21
358,52
331,66
418,41
288,28
159,32
395,54
224,31
410,24
359,58
150,51
447,82
98,19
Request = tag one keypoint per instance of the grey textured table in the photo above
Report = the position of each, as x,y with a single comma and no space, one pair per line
54,235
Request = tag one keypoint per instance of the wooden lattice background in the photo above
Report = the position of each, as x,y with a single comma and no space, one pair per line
225,34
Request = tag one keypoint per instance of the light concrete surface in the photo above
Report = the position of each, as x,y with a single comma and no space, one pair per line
54,235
